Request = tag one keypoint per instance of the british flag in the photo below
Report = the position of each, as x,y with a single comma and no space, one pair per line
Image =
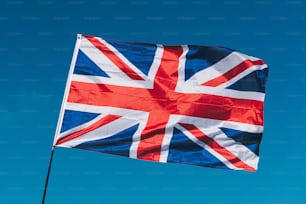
189,104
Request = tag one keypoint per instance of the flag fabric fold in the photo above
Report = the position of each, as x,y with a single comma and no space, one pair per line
188,104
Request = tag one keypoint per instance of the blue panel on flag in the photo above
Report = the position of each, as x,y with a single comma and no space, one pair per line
118,144
141,55
75,118
87,67
256,81
250,140
183,150
201,57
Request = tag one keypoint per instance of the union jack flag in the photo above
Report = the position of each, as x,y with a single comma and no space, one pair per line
189,104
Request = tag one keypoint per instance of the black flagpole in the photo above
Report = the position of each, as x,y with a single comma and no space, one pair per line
47,178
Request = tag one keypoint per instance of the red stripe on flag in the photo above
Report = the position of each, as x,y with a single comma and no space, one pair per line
152,136
197,105
167,74
246,64
149,147
114,58
103,121
229,156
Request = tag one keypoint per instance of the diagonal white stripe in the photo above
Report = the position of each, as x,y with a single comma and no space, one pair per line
236,148
242,74
206,147
103,62
80,127
129,115
119,55
103,132
214,132
219,68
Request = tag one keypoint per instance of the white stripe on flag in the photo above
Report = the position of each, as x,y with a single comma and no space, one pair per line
103,132
103,62
133,114
206,147
239,150
220,67
195,88
211,123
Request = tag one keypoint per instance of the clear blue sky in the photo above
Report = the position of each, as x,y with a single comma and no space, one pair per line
36,45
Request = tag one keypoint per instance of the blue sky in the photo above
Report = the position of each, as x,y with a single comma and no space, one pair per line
36,46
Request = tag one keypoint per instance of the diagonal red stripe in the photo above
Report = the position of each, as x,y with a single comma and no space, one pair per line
103,121
246,64
114,58
229,156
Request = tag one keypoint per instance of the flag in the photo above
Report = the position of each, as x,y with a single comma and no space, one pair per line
187,104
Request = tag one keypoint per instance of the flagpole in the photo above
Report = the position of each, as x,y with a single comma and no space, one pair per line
61,115
48,174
